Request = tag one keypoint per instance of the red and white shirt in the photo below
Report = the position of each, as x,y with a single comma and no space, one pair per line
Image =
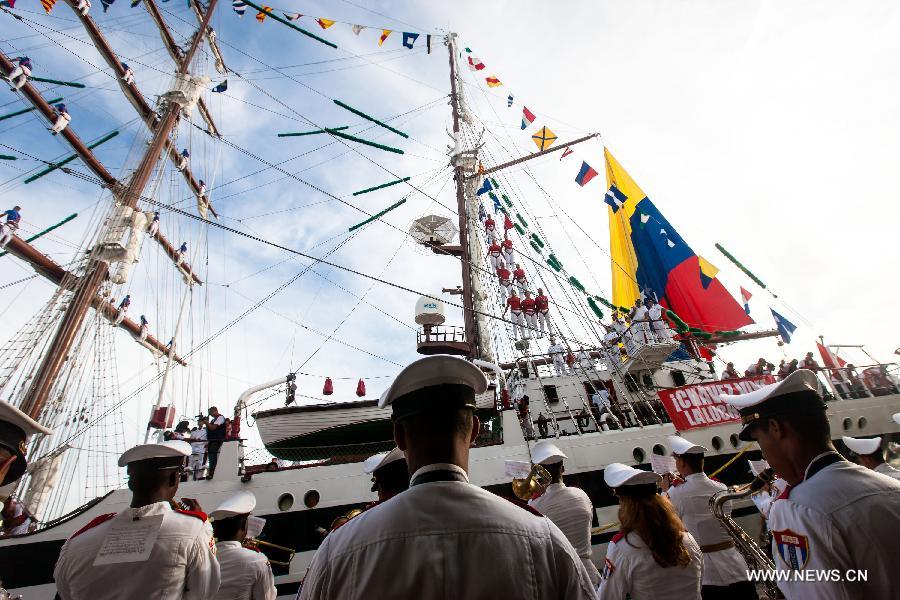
528,306
489,224
503,274
514,303
519,274
542,303
507,244
494,249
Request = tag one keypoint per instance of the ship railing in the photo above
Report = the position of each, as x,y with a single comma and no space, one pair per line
862,381
441,334
651,332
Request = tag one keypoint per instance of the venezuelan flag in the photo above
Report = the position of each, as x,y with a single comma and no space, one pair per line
649,256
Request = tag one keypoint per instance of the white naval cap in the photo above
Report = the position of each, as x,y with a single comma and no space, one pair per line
798,392
241,503
863,445
16,428
546,453
169,449
429,372
618,475
683,446
382,459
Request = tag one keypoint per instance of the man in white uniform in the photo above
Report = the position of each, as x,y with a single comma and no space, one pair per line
724,569
558,353
870,454
569,508
390,474
246,574
658,325
444,537
835,516
16,429
197,461
640,327
102,561
585,362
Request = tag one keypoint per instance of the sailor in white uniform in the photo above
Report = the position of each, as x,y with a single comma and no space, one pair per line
83,6
640,326
245,573
585,362
601,399
444,537
390,473
16,429
630,568
558,353
870,454
724,569
569,508
834,515
63,118
176,557
658,325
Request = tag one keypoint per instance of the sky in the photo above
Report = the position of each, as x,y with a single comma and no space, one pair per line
770,128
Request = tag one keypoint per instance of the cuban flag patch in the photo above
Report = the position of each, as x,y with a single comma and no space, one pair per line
608,569
793,548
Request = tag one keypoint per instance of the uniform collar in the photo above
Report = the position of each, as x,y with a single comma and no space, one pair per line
157,508
228,544
820,462
695,476
440,467
556,486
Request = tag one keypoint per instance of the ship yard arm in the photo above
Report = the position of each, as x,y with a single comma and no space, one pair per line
86,155
56,274
134,95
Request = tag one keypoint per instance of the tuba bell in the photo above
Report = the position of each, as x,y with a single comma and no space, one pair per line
534,485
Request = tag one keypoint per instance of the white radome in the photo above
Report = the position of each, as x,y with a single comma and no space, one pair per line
429,311
433,229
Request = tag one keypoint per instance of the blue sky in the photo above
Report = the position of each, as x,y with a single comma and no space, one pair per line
768,128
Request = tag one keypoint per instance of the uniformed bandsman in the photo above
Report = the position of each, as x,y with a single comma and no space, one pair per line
870,454
149,550
444,537
569,508
834,517
390,474
652,556
16,429
724,569
246,574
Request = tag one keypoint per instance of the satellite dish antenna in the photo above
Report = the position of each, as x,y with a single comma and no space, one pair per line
433,229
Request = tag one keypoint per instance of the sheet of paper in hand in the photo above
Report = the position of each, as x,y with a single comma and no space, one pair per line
255,526
517,468
662,464
758,466
129,541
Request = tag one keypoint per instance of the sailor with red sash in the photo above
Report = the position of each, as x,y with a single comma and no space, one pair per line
505,278
494,252
514,305
542,308
177,555
528,307
490,229
509,255
11,226
836,518
521,280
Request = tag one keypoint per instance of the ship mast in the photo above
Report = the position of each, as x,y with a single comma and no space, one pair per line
458,160
77,310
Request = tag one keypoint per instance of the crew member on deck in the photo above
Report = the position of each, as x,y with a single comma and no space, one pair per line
390,473
870,454
101,561
13,217
514,305
756,369
640,327
658,325
492,545
652,556
834,515
20,74
542,307
509,255
520,279
245,573
493,254
16,518
123,309
724,569
215,436
585,362
490,229
62,118
603,401
557,352
128,77
145,328
810,363
569,508
730,372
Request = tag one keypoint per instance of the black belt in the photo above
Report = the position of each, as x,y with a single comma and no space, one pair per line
442,475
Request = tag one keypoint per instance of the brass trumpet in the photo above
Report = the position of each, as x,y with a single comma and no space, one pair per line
344,518
255,543
534,485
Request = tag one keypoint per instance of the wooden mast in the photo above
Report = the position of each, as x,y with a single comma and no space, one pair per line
78,307
459,175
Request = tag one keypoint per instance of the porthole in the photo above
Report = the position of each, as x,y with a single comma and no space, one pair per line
638,455
659,450
862,422
716,443
285,502
735,442
311,499
848,423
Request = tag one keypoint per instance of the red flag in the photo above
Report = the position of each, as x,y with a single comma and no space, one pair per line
507,223
829,359
566,151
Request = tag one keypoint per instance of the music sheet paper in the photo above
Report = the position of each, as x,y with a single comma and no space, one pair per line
129,541
662,464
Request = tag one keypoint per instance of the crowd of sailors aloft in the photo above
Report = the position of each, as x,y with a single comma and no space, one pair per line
824,513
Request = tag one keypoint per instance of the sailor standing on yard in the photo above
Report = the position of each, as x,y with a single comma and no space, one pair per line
123,309
444,537
13,217
509,255
246,574
493,254
148,550
128,78
145,328
514,305
519,277
542,306
724,569
569,508
62,118
19,76
529,309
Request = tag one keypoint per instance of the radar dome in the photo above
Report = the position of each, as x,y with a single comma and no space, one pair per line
429,311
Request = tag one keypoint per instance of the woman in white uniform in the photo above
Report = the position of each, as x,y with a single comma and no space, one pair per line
653,557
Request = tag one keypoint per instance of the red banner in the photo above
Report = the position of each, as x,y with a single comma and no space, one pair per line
693,406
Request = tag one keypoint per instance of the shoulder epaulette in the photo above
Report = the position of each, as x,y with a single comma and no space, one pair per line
93,523
785,494
617,537
197,514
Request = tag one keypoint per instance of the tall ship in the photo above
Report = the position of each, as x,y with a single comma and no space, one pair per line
607,377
